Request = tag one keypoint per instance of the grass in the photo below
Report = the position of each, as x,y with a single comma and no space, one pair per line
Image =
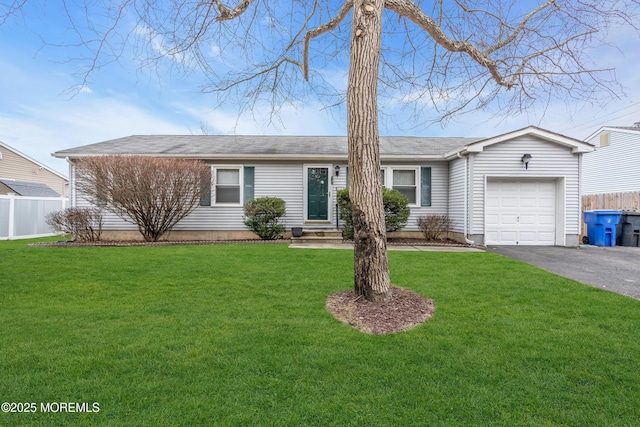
237,335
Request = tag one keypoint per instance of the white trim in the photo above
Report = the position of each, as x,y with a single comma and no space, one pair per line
335,158
576,146
561,211
305,195
214,179
388,177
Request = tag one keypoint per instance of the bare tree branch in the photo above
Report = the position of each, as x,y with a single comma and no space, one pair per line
322,29
412,12
10,10
226,14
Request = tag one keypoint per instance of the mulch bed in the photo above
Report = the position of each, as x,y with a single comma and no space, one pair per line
390,242
405,310
71,243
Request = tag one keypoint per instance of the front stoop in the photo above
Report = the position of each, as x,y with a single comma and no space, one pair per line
311,235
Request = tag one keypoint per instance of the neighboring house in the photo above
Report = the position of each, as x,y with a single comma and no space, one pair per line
32,189
18,167
483,184
614,166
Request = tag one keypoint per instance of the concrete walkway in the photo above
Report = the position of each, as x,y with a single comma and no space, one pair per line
420,248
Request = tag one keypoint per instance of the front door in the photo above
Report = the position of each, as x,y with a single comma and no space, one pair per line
318,193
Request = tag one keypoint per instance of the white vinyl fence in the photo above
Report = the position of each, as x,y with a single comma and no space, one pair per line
23,217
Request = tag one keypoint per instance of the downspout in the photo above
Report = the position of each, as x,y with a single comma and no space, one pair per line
466,200
72,184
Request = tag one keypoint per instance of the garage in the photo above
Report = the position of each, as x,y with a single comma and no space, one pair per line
520,212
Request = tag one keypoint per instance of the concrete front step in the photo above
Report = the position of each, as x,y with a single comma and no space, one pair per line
311,235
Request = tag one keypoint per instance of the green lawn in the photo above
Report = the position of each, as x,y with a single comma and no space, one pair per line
239,335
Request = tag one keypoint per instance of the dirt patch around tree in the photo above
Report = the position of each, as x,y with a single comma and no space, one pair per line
405,310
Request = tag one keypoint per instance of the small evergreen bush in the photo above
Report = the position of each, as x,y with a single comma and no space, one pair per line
396,210
262,216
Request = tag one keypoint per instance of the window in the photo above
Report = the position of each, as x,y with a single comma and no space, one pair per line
228,185
412,182
233,185
404,180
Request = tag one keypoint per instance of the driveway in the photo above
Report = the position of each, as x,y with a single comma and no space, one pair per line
615,269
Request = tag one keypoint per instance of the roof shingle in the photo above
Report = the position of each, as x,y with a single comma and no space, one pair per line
202,146
32,189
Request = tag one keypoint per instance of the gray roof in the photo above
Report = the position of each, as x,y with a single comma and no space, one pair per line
32,189
230,146
633,128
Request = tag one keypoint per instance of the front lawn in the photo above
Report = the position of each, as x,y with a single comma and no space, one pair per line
238,335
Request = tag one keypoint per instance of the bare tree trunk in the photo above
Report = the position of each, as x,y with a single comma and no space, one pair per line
371,268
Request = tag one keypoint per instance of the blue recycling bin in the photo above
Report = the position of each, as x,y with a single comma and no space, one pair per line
601,226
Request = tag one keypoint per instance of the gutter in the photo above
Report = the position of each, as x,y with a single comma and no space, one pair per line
258,156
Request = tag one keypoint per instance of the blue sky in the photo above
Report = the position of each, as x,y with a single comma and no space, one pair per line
38,115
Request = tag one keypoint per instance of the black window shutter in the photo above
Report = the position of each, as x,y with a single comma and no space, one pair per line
249,177
425,187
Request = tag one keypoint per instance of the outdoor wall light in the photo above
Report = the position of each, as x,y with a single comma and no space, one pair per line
526,159
336,169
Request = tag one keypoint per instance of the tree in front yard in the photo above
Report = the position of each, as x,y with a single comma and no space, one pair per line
152,193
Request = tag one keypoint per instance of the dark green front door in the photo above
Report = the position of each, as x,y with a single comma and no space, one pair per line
318,194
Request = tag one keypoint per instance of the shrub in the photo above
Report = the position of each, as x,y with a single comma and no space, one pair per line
262,216
396,210
85,224
433,226
151,192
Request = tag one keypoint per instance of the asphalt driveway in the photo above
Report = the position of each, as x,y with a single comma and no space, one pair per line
615,269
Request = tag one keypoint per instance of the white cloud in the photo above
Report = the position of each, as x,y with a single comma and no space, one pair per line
297,119
41,130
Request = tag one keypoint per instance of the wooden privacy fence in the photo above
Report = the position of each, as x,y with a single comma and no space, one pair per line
618,201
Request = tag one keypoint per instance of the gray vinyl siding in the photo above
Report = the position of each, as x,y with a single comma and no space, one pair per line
286,180
614,168
110,221
270,180
456,194
439,192
549,160
283,180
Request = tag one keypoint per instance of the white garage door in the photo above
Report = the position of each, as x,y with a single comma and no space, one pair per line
520,213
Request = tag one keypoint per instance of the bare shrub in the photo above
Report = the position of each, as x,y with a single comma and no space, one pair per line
153,193
434,226
85,224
